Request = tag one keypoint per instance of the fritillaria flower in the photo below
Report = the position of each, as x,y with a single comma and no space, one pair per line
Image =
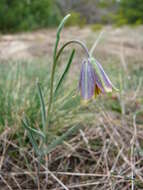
93,80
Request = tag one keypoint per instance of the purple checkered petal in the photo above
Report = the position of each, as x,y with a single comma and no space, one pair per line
87,80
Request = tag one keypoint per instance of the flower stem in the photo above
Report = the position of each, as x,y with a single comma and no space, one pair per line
54,63
54,66
73,42
51,91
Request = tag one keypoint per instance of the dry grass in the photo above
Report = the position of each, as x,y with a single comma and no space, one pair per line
107,155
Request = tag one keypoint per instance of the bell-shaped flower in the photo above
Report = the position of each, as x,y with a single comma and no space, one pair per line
93,80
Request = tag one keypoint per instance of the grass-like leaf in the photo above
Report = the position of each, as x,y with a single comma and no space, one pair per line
30,135
43,109
62,138
58,34
65,72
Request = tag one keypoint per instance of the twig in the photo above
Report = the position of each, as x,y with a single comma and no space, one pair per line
85,184
18,185
132,150
5,182
86,142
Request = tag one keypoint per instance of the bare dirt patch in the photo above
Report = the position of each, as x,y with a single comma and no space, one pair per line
40,43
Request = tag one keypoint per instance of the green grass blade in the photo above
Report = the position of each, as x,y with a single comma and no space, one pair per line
62,138
43,109
65,72
25,124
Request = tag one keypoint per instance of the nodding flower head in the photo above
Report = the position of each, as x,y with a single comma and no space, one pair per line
93,79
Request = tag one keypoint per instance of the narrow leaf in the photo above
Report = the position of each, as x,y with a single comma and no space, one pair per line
30,135
36,132
58,35
62,24
65,71
43,109
60,140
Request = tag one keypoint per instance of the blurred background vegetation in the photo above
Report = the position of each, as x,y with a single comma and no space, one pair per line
26,15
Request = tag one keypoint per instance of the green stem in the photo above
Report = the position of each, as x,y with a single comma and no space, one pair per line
51,90
54,66
75,42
